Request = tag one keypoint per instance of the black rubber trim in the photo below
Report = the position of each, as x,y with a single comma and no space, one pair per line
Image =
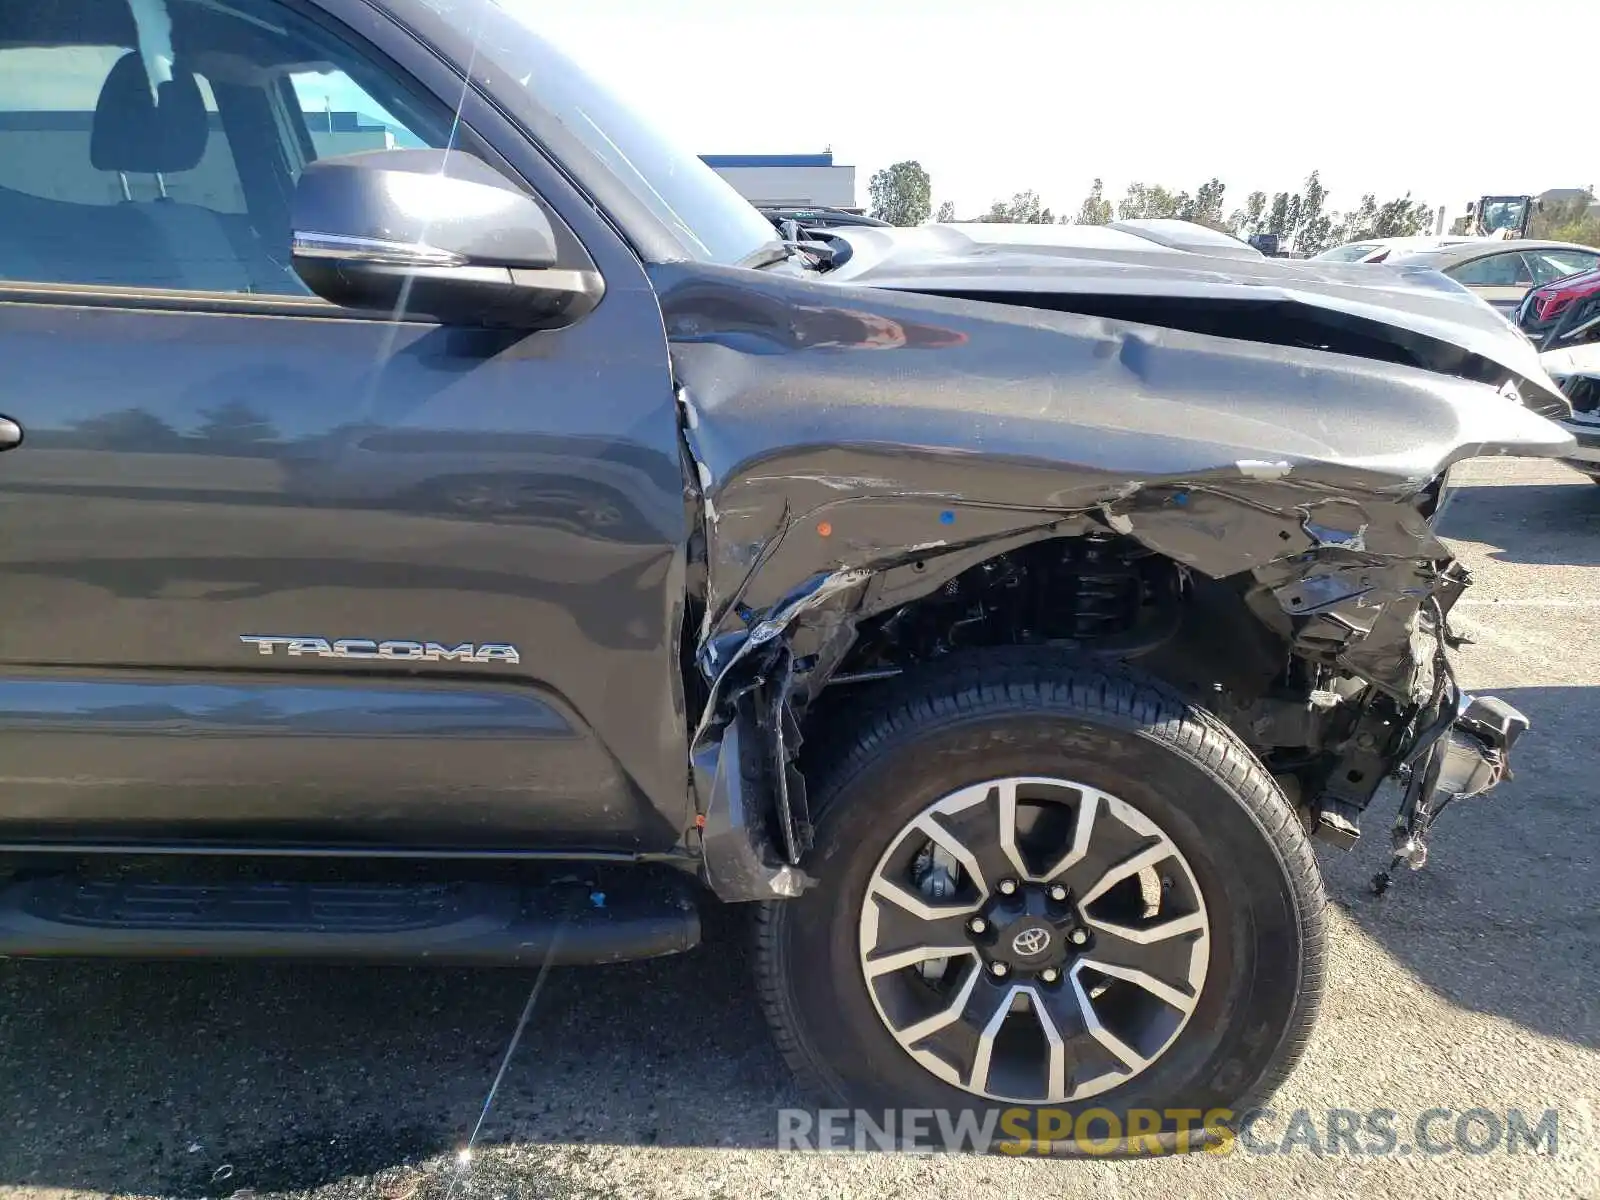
225,304
464,923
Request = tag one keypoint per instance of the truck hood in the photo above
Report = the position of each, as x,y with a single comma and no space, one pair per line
1174,275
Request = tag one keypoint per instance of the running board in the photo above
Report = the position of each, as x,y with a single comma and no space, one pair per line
477,924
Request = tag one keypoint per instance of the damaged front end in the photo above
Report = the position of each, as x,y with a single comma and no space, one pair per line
884,481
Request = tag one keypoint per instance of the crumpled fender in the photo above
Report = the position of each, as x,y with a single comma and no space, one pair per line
839,429
853,449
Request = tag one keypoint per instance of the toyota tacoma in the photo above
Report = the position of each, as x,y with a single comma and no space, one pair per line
441,522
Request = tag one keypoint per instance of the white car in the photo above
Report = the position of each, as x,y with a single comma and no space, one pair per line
1499,271
1379,249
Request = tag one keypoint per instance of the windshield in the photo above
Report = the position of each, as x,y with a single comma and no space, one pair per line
1503,214
699,208
1352,253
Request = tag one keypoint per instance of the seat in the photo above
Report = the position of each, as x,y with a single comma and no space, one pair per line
136,132
57,241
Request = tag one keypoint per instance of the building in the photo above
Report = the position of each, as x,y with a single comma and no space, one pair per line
335,133
788,180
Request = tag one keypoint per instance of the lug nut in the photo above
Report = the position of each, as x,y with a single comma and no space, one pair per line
999,969
977,925
1008,887
1049,974
1058,893
1078,936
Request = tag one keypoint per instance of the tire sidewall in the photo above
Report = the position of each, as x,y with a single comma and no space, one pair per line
1254,975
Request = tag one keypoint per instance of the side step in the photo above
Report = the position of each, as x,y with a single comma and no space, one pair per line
469,923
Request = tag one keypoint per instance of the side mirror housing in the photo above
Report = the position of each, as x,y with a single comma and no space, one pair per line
437,234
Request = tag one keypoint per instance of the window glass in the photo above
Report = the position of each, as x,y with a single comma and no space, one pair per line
703,211
1497,270
48,97
1553,264
344,119
1354,252
170,165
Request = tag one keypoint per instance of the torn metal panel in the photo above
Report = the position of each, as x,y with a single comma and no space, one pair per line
856,449
823,445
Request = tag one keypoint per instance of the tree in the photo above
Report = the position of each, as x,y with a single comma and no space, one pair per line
1206,207
1568,220
1024,208
901,194
1298,218
1291,219
1142,202
1095,209
1357,225
947,211
1404,217
1314,227
236,423
1251,218
1278,215
1302,220
1154,202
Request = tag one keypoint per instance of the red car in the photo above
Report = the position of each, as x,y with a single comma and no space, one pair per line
1564,312
1563,319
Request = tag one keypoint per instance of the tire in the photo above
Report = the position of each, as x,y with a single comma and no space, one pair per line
1237,840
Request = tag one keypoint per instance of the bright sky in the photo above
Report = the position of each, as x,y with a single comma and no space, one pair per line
1449,99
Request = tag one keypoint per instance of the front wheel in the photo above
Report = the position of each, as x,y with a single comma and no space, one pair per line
1046,886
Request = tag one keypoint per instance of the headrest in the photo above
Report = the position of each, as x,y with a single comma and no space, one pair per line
132,133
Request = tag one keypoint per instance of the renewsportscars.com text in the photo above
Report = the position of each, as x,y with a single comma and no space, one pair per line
1345,1132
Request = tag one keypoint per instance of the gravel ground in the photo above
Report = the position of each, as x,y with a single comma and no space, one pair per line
1472,984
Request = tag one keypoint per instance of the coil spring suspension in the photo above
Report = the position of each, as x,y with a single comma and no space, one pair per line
1095,592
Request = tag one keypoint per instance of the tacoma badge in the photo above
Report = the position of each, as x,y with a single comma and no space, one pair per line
369,648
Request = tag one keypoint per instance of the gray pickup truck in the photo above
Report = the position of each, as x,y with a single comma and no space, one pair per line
441,522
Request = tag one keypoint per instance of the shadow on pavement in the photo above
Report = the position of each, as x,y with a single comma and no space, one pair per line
206,1079
1503,920
1550,524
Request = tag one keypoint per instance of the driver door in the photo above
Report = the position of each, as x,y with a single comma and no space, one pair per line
209,456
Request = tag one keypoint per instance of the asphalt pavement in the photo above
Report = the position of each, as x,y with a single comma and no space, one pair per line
1474,984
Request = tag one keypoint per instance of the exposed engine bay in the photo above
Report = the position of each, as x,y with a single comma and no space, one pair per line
1324,732
1100,593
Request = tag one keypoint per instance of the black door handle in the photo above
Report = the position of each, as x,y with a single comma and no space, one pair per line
10,434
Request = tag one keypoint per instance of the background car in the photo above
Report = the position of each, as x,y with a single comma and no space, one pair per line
1562,313
1562,318
1378,249
1499,271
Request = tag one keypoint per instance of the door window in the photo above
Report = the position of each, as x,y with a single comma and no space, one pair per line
342,118
1497,270
134,158
1553,264
48,97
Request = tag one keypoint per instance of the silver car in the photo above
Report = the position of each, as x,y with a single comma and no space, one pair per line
1499,271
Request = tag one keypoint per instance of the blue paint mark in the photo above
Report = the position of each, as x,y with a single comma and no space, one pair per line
598,899
1181,499
947,517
